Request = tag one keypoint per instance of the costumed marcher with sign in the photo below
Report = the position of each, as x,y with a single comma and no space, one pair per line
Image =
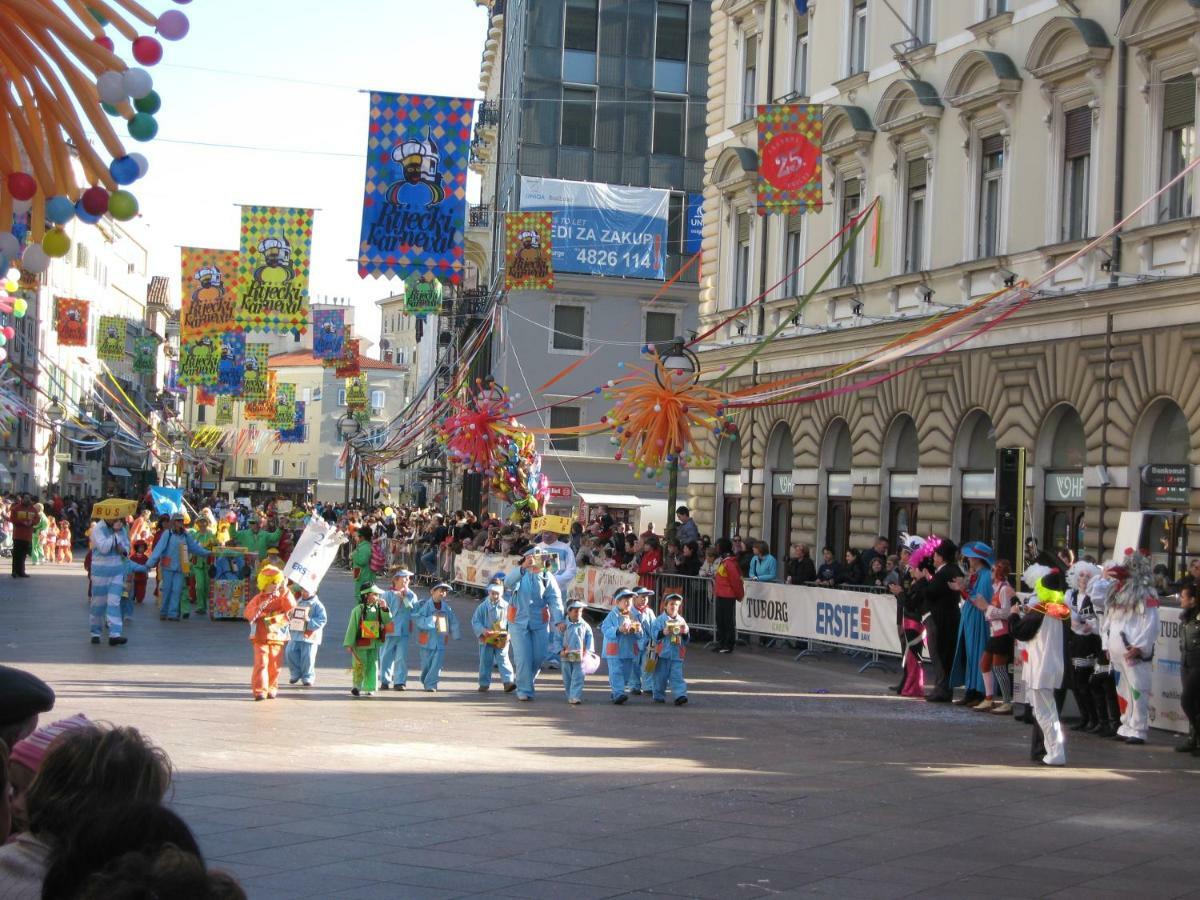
1131,625
306,624
1041,628
369,622
436,625
578,642
401,602
1083,644
268,612
1189,667
173,552
563,568
642,681
971,640
535,606
109,546
671,636
490,624
623,637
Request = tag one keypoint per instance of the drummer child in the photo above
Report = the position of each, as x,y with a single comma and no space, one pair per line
671,632
490,624
642,681
577,641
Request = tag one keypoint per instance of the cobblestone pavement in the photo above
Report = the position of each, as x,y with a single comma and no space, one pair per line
779,778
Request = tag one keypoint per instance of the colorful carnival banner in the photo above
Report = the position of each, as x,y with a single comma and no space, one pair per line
528,244
295,434
72,322
329,333
145,354
231,371
274,264
415,200
348,366
789,152
262,410
356,392
285,406
224,414
110,338
254,381
209,281
423,294
199,361
205,397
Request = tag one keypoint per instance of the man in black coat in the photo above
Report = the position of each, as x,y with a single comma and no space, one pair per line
941,619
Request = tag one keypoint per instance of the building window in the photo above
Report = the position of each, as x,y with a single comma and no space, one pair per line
914,215
578,117
994,8
741,261
668,126
564,417
749,76
660,327
302,465
851,203
793,250
1077,158
341,396
251,466
671,48
921,21
306,394
316,394
201,413
376,401
991,182
800,63
580,21
276,467
568,328
1178,146
857,59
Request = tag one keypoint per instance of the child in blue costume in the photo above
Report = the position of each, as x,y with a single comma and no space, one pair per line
436,625
577,641
306,622
642,681
490,624
670,632
622,639
393,656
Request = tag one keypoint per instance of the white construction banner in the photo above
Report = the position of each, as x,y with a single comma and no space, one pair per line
595,586
314,553
476,569
845,618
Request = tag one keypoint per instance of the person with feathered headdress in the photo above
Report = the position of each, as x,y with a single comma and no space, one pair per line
909,591
1041,628
1131,628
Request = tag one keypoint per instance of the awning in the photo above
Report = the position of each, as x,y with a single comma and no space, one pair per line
621,501
119,471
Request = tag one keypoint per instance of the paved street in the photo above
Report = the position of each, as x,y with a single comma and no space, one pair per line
779,778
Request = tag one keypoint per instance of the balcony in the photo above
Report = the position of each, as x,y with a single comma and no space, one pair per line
473,302
489,114
479,216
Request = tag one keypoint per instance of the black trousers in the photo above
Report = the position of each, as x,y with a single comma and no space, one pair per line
726,622
21,550
1190,698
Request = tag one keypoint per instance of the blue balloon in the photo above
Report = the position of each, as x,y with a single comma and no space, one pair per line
60,210
85,216
124,170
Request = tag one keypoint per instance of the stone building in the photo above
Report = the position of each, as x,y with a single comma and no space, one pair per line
998,139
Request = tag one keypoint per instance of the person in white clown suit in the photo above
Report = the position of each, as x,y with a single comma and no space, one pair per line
1131,629
1041,628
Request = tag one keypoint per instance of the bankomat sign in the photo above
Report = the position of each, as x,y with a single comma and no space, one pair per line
843,620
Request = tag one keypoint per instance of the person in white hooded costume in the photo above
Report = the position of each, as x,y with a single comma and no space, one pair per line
1130,631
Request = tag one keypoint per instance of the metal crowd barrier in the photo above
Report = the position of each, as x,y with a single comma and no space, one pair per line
699,604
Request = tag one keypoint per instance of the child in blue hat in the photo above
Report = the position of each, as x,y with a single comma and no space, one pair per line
577,642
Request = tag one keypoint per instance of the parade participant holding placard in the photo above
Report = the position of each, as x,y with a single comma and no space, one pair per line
306,623
369,622
490,624
267,612
535,607
393,658
578,642
436,625
642,681
563,569
671,636
623,636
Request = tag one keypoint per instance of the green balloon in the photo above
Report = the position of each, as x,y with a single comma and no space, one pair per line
122,206
151,103
97,15
110,109
142,127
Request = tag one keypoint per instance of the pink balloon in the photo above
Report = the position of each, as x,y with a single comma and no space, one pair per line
173,25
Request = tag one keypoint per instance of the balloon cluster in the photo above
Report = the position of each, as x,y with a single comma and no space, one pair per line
518,478
65,67
10,302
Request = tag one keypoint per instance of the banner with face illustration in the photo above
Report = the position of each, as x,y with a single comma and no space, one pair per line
209,281
329,333
348,365
254,380
415,201
273,272
199,361
231,369
285,406
262,410
110,338
356,392
72,322
224,411
528,251
423,294
145,354
295,434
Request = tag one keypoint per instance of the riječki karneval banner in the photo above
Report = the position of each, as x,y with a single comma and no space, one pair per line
528,244
274,265
209,281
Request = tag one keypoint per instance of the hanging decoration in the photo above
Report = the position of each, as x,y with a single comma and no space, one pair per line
789,152
72,322
415,199
276,249
254,376
145,354
356,392
199,361
349,365
528,246
231,371
205,397
60,69
224,415
262,410
329,333
110,338
423,294
295,434
285,406
209,281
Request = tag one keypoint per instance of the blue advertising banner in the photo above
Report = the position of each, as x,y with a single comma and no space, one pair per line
603,229
415,201
231,370
329,333
694,226
295,434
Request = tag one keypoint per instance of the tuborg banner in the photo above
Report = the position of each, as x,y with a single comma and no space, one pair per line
603,229
820,614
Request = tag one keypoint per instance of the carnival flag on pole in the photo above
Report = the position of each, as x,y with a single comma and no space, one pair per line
262,410
145,354
415,201
285,406
422,294
231,370
205,397
329,332
789,153
72,322
110,338
348,366
356,392
254,381
199,361
527,251
210,281
273,272
224,411
295,434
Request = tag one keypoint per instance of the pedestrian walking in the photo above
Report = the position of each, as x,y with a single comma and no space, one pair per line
401,602
174,552
642,681
109,546
23,517
1041,628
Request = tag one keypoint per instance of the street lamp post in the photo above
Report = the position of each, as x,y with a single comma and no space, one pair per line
57,414
348,429
682,368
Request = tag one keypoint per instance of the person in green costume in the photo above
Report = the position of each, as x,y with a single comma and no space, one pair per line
39,530
205,536
255,539
368,626
360,560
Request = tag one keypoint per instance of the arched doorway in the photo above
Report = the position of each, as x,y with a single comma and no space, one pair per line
1161,479
780,460
901,459
1062,452
836,459
729,486
975,462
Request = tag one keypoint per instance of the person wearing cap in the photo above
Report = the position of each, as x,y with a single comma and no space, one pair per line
306,622
255,539
562,567
490,624
203,534
642,681
109,547
436,625
23,697
1041,628
577,642
268,612
369,622
174,551
671,635
971,639
401,602
535,606
622,638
